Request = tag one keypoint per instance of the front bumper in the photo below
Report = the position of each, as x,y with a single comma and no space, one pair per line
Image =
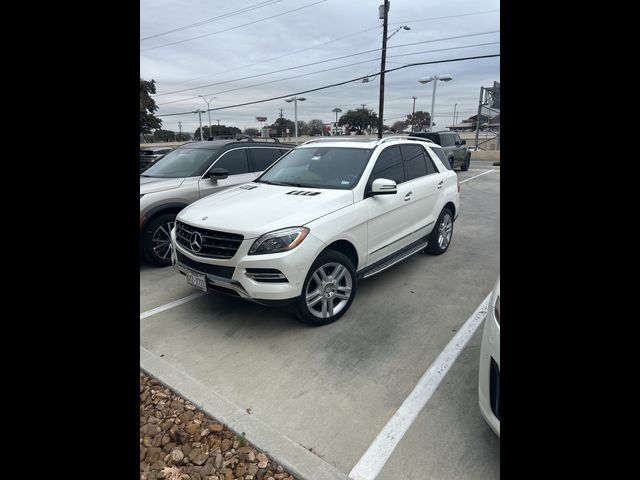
229,276
489,375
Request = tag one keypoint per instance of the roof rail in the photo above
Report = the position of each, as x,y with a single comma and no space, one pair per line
403,137
339,139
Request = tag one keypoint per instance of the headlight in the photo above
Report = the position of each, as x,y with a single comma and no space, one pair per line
496,310
279,241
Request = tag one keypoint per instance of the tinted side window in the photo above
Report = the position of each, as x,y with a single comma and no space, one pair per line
261,158
440,154
235,161
445,140
388,165
414,161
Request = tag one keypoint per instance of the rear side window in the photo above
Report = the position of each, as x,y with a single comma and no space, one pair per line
446,140
235,161
262,158
414,161
388,165
440,154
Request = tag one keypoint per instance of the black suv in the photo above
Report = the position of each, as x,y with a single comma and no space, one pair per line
454,148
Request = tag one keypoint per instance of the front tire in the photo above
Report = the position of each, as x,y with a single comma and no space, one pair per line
442,233
328,289
156,239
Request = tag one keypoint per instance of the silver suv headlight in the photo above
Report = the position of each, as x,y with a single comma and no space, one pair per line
279,241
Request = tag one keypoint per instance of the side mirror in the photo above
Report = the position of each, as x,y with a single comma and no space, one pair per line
383,186
463,142
218,174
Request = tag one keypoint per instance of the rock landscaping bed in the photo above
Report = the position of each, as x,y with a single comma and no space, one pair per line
178,442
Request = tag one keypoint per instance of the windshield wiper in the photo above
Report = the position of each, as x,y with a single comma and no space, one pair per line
269,182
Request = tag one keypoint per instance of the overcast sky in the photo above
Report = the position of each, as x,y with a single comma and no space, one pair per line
306,36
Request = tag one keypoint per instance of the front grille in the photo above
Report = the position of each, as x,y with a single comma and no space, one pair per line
214,244
217,270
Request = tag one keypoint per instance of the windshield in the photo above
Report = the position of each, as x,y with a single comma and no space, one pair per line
182,162
321,167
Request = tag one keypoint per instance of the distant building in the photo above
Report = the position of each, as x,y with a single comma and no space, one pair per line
469,125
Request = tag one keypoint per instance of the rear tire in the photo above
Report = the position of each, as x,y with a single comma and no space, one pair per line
156,239
328,289
465,165
442,234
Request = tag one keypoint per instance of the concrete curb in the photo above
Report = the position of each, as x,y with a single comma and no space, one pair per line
300,462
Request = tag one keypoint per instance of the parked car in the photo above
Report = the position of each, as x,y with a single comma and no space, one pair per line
454,148
150,155
489,376
184,175
327,214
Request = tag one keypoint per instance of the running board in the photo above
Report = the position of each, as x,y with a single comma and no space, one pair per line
389,262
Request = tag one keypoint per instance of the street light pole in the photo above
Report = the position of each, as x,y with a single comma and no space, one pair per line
208,111
295,109
434,79
335,128
199,112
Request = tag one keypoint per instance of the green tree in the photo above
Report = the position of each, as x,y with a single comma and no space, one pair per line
280,126
359,120
316,127
254,132
148,106
164,136
420,120
399,126
216,131
303,127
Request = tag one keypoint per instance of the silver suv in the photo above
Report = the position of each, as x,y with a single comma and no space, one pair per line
192,171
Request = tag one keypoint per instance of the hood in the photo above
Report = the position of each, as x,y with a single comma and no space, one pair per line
152,184
256,208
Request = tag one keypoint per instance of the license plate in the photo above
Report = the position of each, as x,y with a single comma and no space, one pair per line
197,280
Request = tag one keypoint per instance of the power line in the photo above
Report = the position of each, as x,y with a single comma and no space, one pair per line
323,71
442,18
326,61
377,27
338,84
232,28
210,20
278,57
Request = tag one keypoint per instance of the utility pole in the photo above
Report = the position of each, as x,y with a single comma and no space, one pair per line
218,132
180,128
385,14
413,114
281,125
478,117
454,114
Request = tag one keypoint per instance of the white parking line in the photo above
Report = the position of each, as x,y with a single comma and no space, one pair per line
479,175
371,463
169,305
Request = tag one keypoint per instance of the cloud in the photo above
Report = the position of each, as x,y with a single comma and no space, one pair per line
236,53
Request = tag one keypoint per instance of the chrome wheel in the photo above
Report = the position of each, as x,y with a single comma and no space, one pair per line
161,240
445,230
328,290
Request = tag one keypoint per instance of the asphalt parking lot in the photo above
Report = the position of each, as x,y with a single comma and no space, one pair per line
332,389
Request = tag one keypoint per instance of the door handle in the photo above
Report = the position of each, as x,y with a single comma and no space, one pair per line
408,196
440,184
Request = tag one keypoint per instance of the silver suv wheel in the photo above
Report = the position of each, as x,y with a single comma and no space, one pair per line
329,290
161,240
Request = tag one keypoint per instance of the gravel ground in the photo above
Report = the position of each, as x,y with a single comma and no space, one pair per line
179,442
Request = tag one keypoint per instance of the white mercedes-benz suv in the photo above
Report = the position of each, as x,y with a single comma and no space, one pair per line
325,215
